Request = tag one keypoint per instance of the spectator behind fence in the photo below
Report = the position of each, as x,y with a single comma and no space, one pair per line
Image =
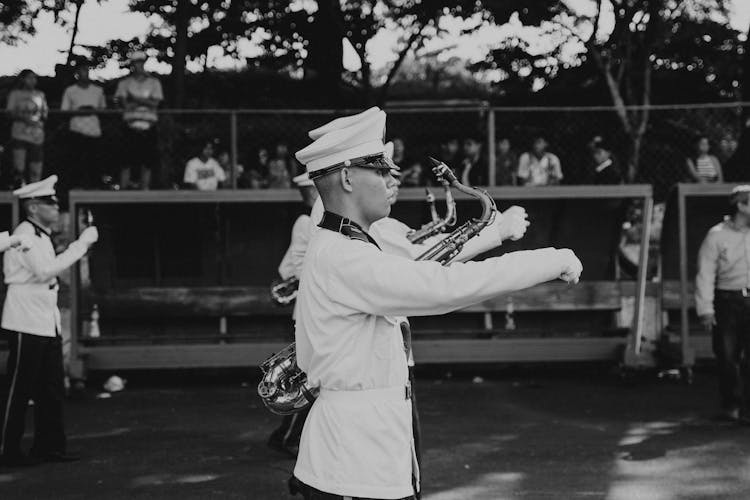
506,161
449,152
280,168
539,167
203,172
606,168
225,161
83,99
702,166
27,108
473,168
139,94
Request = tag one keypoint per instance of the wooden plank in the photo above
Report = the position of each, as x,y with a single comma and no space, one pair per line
139,302
426,351
672,297
406,194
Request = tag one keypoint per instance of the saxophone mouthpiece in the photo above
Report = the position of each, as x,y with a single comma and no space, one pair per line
435,162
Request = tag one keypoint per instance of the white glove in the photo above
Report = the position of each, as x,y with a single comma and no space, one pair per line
513,223
570,265
89,236
22,242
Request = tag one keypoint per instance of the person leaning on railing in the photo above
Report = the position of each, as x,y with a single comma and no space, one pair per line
27,108
139,94
83,99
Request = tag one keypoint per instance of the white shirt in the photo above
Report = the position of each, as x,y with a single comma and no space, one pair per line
205,175
348,339
291,264
140,116
76,97
31,301
4,241
539,171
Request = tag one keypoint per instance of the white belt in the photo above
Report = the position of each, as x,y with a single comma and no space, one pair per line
400,393
36,286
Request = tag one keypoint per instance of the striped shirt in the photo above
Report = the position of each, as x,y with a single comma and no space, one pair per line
705,166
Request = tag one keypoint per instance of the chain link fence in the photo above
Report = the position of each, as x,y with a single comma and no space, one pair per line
255,146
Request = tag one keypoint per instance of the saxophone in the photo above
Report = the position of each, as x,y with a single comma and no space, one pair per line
284,387
437,225
284,292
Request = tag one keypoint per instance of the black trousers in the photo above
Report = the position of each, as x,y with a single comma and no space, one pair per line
290,430
35,371
731,344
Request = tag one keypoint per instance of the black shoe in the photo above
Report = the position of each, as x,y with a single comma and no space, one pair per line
19,461
57,456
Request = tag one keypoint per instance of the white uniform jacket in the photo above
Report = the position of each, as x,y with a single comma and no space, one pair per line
291,264
391,236
4,241
31,300
357,440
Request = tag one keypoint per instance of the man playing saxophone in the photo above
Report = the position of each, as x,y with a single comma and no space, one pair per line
286,437
357,440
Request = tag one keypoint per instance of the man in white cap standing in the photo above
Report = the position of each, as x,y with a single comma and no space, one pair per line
31,323
285,438
357,441
139,94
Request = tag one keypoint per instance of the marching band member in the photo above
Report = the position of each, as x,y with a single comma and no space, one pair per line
286,437
357,440
31,322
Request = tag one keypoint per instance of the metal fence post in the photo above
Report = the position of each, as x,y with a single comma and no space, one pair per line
233,145
491,167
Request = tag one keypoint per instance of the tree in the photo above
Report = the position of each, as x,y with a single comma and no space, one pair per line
737,166
628,43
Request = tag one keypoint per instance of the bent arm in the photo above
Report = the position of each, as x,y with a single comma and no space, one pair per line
45,269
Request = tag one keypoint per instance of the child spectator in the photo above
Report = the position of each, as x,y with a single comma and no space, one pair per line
539,167
27,107
506,162
703,166
473,166
203,172
280,168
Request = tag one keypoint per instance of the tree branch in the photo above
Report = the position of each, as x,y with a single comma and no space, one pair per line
415,36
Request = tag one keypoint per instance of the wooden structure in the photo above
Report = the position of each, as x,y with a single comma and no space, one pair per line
691,211
181,279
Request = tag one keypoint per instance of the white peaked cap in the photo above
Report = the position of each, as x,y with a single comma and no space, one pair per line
388,153
303,180
363,138
343,122
45,187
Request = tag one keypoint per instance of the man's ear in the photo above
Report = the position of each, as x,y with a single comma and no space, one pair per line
346,180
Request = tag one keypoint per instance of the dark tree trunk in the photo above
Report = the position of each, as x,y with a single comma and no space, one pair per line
737,167
74,35
180,52
324,63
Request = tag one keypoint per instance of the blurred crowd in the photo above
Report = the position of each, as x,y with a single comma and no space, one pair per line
211,166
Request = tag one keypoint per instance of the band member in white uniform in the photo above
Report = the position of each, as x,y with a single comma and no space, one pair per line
357,441
31,323
286,437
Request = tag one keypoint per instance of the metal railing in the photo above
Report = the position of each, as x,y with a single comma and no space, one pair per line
243,132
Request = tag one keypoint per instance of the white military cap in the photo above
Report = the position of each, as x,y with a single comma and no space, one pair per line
359,145
303,180
388,152
343,122
42,189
